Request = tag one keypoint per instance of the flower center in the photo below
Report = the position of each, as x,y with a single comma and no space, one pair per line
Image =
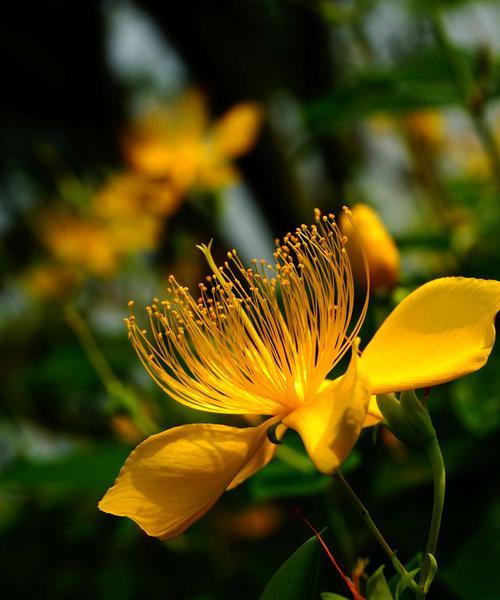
260,339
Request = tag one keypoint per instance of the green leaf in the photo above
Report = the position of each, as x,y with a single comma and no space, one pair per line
433,569
330,596
422,81
404,582
377,587
89,470
297,578
399,584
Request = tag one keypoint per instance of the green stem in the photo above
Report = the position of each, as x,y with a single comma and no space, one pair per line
435,458
370,523
111,383
362,512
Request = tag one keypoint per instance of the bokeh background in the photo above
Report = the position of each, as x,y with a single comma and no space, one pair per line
132,131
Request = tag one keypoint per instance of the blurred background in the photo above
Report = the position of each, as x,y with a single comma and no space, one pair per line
132,131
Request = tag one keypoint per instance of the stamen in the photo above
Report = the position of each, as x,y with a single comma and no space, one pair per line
258,339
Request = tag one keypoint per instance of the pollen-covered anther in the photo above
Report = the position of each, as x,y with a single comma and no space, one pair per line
259,325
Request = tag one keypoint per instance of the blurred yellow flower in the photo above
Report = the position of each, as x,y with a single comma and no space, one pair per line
178,143
79,243
128,195
133,210
426,127
263,340
124,217
370,241
125,429
49,281
234,133
128,237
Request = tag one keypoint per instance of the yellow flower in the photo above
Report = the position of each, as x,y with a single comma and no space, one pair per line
127,196
370,241
92,246
426,127
263,341
132,208
179,144
82,244
128,236
124,217
49,281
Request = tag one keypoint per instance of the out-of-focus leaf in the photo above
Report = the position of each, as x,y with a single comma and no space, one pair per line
68,360
476,399
377,587
472,574
87,470
470,191
297,578
393,479
424,239
330,596
280,480
421,82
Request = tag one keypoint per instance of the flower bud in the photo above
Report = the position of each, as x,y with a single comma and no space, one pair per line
408,419
367,233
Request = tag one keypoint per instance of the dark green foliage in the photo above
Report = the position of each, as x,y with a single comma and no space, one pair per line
297,578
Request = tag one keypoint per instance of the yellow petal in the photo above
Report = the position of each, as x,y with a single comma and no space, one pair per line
330,424
235,132
443,330
188,115
259,460
373,415
173,478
